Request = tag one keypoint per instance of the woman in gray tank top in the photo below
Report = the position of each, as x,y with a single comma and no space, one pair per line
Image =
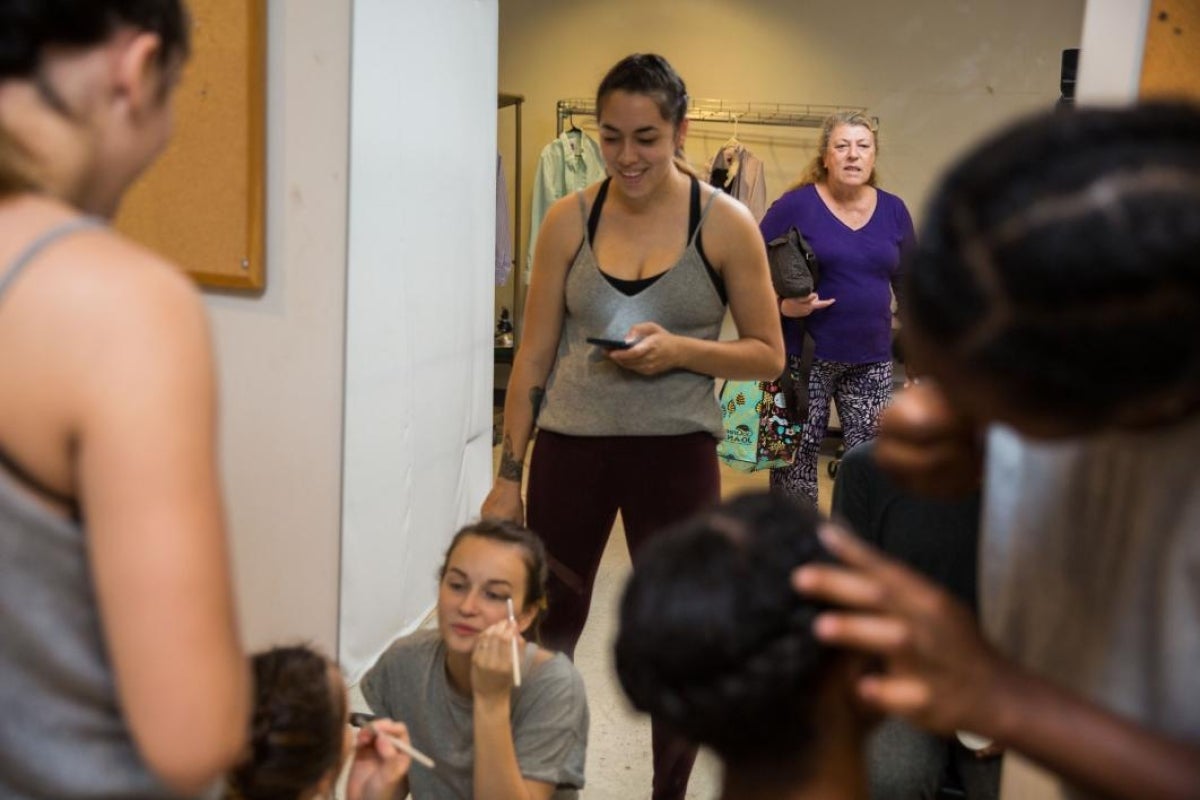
651,259
121,672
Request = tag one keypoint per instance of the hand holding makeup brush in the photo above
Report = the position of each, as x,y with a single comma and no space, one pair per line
380,766
492,664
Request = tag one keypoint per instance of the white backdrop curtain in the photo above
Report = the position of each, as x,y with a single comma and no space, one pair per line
417,452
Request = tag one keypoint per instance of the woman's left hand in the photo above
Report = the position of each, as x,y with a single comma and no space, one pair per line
491,661
379,766
656,351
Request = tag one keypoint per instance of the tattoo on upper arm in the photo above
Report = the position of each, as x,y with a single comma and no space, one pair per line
511,468
536,395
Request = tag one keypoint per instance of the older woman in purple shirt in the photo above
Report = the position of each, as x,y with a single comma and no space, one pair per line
858,232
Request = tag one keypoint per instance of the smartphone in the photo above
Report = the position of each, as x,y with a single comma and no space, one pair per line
612,344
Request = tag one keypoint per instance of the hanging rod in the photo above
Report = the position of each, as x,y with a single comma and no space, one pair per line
792,115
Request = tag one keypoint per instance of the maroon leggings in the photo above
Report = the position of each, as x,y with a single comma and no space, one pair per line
577,484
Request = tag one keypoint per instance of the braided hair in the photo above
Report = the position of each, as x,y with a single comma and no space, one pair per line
714,641
1059,260
297,728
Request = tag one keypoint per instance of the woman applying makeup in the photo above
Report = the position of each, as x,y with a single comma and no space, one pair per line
454,687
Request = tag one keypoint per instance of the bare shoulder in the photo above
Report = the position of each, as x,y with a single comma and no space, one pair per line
728,227
116,311
566,216
106,281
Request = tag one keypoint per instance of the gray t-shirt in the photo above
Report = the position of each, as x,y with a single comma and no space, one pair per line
1090,570
549,717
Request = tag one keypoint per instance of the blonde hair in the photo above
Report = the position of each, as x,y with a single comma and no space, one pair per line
815,172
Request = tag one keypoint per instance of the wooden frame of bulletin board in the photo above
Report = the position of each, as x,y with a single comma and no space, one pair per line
1171,59
203,204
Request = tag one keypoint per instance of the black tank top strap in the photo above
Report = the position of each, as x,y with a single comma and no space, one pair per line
695,233
694,210
594,217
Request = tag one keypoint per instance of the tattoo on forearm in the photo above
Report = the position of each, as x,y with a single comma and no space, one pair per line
536,395
511,468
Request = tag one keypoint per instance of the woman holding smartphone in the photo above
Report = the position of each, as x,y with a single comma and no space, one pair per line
652,257
121,673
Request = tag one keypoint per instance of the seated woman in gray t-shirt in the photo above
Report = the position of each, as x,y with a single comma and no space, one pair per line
455,689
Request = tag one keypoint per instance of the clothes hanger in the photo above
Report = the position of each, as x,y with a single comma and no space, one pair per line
733,140
572,127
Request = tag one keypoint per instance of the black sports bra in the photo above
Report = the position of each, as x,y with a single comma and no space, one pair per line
630,287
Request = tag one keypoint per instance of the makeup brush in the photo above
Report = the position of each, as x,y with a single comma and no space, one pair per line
360,720
515,656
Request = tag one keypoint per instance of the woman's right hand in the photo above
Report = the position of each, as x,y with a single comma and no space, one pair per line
797,307
504,502
492,676
379,766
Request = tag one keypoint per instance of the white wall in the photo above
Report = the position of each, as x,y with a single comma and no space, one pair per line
937,73
280,354
1110,61
419,349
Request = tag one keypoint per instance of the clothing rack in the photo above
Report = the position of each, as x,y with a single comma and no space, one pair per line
506,100
790,115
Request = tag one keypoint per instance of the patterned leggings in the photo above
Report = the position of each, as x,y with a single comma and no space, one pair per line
860,391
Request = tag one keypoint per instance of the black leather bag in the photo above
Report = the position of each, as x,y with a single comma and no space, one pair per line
794,267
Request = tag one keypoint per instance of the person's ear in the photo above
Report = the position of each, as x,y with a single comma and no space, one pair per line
681,134
139,76
526,617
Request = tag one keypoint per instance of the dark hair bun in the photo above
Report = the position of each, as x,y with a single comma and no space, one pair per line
713,639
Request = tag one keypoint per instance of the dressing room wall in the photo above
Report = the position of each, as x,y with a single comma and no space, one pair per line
279,354
936,73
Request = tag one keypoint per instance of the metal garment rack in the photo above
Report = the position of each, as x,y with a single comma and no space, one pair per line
789,115
504,100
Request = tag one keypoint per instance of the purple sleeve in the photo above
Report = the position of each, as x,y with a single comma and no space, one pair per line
908,241
775,223
779,217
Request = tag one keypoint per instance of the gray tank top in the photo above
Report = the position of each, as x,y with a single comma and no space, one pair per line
587,394
61,731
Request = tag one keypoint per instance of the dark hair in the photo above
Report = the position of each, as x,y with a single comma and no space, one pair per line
297,728
534,554
1059,261
27,27
648,74
714,640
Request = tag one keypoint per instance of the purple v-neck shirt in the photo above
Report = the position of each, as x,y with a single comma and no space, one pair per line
858,269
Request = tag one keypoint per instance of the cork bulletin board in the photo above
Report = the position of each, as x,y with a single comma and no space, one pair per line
202,203
1171,60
